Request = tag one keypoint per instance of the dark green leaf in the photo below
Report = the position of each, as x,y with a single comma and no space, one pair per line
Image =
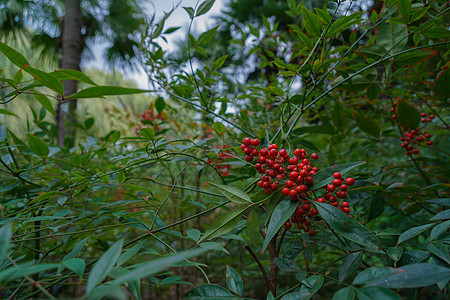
76,265
234,194
372,92
209,292
160,104
303,295
219,62
392,37
5,237
346,226
282,212
253,226
101,91
347,293
213,246
190,11
367,124
224,224
68,74
311,22
14,56
37,145
219,128
45,102
436,32
18,76
350,263
129,253
104,265
439,229
442,84
46,79
375,293
440,250
153,267
206,36
7,112
147,133
443,215
404,8
234,281
412,232
204,7
407,114
395,252
285,264
440,201
193,234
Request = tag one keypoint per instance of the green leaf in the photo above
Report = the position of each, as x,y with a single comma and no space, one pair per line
7,112
350,263
347,293
412,276
104,265
209,292
412,232
392,37
190,11
224,224
77,265
219,128
404,8
442,83
346,226
5,237
204,7
325,176
45,102
367,124
193,234
286,265
22,270
14,56
439,229
395,252
234,281
160,104
219,62
311,22
440,201
376,292
440,250
213,246
127,255
153,267
344,23
282,212
316,282
101,91
206,36
46,79
68,74
107,292
18,76
436,32
147,133
303,295
234,194
253,226
371,274
37,145
443,215
407,114
372,92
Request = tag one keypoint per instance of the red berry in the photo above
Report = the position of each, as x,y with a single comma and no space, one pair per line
289,184
416,151
344,187
247,151
427,135
429,143
255,142
266,184
314,212
262,159
312,233
273,186
305,161
292,193
337,175
346,210
335,204
423,114
304,187
293,160
243,147
321,200
249,158
344,204
306,207
293,175
330,188
273,152
247,141
267,191
258,166
309,180
394,117
297,152
350,181
285,191
260,183
341,194
336,182
287,225
282,152
332,199
264,152
315,156
303,173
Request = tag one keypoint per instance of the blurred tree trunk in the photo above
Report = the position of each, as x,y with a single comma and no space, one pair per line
72,46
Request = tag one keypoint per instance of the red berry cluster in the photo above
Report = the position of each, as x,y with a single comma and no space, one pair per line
148,117
296,173
414,137
219,162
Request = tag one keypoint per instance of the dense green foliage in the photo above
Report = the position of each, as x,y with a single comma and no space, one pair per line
166,205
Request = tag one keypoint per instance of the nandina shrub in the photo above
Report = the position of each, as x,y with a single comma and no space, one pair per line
291,191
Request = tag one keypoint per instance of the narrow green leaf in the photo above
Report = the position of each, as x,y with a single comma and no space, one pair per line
77,265
160,104
14,56
104,265
219,62
101,91
18,76
224,224
7,112
153,267
13,272
234,194
404,8
127,255
208,292
253,227
440,201
234,281
412,232
193,234
346,226
219,128
407,114
68,74
190,11
412,276
325,176
213,246
45,102
206,36
347,293
204,7
311,22
46,79
147,133
350,263
282,212
376,292
443,215
5,237
439,229
440,250
37,145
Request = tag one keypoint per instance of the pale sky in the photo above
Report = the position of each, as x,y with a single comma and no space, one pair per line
178,18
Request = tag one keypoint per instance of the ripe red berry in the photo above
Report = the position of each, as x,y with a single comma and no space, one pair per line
266,184
258,166
330,188
314,212
249,158
267,191
315,156
335,204
344,187
303,173
332,199
346,210
243,147
297,152
264,152
247,141
247,151
260,183
287,225
427,135
429,143
293,175
344,204
285,191
293,193
255,142
262,159
282,152
350,181
305,161
273,152
304,187
336,182
255,152
341,194
321,200
273,186
306,207
312,233
337,175
309,180
416,151
289,184
423,114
